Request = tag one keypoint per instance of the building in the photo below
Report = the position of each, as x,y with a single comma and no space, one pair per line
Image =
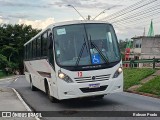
145,47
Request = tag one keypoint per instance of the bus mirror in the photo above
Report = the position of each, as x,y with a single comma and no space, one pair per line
50,45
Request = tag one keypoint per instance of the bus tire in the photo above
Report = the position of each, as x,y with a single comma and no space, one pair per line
33,88
51,98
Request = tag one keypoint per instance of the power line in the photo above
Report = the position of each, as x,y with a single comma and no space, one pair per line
136,15
141,23
141,6
141,17
133,9
149,10
123,10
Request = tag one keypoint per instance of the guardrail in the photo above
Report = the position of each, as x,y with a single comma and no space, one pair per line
131,63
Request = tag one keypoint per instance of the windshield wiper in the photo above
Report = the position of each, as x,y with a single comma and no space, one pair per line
99,51
80,53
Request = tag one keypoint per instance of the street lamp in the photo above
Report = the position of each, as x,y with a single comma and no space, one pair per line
103,12
76,10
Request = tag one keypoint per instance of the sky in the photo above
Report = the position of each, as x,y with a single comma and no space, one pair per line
41,13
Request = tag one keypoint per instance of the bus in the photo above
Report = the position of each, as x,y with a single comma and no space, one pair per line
74,59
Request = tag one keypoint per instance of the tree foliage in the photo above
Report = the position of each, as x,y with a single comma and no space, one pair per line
12,39
3,61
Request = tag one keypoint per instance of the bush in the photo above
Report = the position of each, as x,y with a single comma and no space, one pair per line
3,62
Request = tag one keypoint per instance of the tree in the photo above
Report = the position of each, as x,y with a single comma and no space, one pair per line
3,62
9,52
12,39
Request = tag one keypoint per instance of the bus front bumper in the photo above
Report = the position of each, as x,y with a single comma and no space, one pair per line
79,90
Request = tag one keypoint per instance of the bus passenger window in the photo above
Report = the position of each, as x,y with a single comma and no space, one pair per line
34,49
39,47
44,44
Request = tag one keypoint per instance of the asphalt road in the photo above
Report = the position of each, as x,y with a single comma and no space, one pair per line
38,101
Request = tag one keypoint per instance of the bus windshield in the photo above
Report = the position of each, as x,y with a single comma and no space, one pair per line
85,44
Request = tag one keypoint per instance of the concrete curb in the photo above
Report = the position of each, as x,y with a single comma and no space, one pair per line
144,94
23,102
9,78
20,98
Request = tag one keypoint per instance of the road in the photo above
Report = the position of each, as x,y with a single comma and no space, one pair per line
38,101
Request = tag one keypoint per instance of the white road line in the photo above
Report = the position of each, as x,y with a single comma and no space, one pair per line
16,79
25,105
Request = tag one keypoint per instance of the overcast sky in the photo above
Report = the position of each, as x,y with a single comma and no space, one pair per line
40,13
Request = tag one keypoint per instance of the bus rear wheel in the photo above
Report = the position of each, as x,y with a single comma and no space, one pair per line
33,88
52,99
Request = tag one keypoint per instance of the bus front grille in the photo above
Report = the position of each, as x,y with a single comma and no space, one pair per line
92,78
101,88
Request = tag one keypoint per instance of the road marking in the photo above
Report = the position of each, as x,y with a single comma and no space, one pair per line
25,105
16,79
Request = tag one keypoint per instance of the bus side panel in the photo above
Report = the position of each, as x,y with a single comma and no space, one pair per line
39,70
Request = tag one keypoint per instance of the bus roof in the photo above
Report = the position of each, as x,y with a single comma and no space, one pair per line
64,23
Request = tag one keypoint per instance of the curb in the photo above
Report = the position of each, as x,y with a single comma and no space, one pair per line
20,98
143,94
23,102
9,78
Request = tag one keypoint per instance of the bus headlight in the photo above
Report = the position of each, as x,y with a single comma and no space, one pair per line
61,75
118,72
65,77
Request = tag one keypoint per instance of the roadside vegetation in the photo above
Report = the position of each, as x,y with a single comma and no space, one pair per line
12,39
152,87
3,74
133,76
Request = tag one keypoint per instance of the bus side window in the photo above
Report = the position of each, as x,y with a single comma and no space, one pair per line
25,50
50,51
44,44
34,49
39,47
30,50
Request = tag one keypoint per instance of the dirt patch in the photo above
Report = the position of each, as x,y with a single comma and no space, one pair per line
133,88
147,79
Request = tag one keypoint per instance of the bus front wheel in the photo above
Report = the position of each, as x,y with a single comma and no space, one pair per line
52,99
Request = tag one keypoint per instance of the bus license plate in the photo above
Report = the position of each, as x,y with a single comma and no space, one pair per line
94,85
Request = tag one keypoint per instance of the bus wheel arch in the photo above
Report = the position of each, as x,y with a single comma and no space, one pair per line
47,91
33,88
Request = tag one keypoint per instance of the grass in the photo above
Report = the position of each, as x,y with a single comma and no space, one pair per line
152,87
3,75
133,76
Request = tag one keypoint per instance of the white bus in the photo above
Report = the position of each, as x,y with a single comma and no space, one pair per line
74,59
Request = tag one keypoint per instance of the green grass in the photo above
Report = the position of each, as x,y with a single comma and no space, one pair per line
152,87
3,75
133,76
